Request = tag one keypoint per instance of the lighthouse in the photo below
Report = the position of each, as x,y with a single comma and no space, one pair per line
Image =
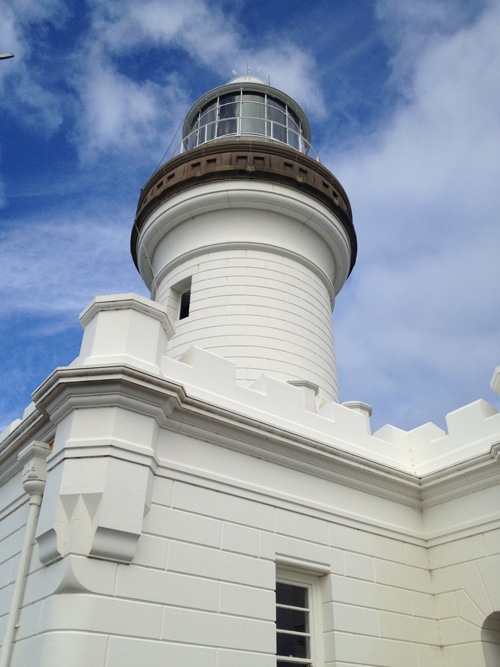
190,491
247,239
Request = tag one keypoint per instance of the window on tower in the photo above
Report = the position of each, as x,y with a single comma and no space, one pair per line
185,302
178,301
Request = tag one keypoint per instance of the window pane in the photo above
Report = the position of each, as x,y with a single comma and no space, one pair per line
294,596
292,123
253,126
278,132
292,646
207,114
228,106
291,619
276,112
254,97
293,131
277,116
226,127
210,131
293,139
275,104
207,120
228,113
253,110
185,304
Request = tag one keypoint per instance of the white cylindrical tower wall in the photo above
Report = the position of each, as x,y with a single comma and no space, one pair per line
261,262
267,313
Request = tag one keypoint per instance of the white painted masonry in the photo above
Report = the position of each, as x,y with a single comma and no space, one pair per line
264,267
192,461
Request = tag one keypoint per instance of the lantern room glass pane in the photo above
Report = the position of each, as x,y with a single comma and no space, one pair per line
273,103
228,115
208,114
193,140
253,113
276,113
292,123
252,125
208,119
293,140
294,133
278,132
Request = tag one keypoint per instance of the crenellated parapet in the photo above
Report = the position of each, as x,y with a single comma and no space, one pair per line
201,387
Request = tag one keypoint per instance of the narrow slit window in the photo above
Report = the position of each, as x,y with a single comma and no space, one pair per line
185,303
178,299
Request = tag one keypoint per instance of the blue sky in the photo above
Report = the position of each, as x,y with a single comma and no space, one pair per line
404,104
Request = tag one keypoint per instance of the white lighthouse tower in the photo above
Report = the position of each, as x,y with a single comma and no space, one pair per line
246,239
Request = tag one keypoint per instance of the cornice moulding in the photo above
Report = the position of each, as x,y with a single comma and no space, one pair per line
85,387
176,409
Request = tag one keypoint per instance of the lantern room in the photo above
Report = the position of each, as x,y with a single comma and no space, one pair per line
249,108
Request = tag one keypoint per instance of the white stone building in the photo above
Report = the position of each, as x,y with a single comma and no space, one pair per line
190,492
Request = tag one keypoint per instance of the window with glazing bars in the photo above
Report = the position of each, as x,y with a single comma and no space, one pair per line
246,113
293,625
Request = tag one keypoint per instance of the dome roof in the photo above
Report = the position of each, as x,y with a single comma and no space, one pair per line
247,78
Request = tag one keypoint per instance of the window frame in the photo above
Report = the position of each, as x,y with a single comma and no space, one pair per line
312,583
175,295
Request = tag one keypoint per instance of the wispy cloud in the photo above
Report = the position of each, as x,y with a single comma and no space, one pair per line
22,31
53,268
412,27
122,115
106,104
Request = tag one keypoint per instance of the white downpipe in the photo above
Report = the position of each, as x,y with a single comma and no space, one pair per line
34,478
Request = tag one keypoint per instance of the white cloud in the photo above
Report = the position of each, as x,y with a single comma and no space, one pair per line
112,109
293,70
56,266
119,112
422,314
411,27
207,34
20,89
